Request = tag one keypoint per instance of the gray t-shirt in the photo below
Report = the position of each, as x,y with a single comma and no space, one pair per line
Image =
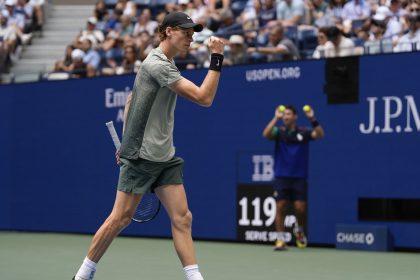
292,54
150,121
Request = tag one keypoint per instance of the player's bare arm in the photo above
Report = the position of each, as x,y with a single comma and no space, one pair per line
127,106
318,131
268,130
204,94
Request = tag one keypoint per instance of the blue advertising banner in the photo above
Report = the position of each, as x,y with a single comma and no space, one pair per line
58,170
360,237
6,159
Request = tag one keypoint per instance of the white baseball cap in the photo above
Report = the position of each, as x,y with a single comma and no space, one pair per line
77,54
10,2
382,13
236,39
93,20
5,13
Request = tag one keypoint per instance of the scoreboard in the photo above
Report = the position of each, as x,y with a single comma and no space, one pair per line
255,203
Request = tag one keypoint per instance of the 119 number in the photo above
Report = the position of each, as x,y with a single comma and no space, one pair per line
268,209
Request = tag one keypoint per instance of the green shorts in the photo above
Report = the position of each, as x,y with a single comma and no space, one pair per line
142,176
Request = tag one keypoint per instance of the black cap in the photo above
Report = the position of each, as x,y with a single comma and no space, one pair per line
180,19
333,32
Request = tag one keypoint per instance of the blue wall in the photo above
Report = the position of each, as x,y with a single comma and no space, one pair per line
57,161
6,158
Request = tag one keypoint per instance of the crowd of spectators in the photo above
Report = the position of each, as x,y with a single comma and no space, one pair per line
119,35
19,20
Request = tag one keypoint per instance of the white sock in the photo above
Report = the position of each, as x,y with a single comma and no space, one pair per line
192,272
86,270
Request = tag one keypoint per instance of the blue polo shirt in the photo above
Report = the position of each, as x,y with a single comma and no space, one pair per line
291,155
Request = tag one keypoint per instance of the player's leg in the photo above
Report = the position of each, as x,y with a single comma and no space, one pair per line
299,205
299,231
120,217
300,212
279,225
174,200
281,194
280,215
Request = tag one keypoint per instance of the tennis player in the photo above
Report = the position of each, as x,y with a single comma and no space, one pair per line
147,153
291,159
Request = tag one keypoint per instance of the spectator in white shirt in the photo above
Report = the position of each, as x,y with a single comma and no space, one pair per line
396,22
338,45
411,40
322,40
91,32
199,10
129,7
376,42
15,19
8,38
145,23
290,12
7,32
356,9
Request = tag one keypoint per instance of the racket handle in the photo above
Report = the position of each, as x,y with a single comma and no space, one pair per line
113,134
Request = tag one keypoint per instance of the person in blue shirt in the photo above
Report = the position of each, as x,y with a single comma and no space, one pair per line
291,158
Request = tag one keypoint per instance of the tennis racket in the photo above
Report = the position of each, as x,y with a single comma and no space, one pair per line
149,205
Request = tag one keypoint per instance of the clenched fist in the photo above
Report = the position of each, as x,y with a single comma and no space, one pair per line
216,45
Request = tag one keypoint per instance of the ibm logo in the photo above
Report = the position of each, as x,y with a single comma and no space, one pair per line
263,168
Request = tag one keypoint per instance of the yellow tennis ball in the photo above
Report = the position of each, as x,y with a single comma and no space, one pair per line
307,108
281,108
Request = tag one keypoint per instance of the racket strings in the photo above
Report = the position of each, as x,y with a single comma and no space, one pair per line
149,205
147,209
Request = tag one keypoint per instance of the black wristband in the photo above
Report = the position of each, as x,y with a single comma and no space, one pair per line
314,123
216,62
